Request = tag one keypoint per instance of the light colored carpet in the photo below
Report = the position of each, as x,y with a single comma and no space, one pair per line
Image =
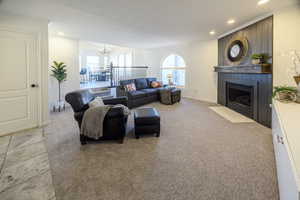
199,156
231,115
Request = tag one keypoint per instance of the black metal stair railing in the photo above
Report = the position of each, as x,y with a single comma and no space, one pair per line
118,73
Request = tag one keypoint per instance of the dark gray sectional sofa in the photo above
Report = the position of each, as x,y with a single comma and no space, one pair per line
144,93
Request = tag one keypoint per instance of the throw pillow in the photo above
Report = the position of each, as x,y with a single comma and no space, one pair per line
96,102
156,84
130,87
141,83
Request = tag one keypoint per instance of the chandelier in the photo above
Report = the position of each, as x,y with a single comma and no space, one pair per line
104,51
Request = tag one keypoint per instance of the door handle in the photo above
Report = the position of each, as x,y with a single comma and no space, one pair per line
34,85
280,139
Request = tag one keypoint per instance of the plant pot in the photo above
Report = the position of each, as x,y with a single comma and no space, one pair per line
286,96
297,79
298,98
255,61
59,106
266,67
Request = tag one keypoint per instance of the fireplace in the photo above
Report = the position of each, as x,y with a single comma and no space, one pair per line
240,98
247,93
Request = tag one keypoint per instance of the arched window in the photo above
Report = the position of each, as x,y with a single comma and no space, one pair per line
173,70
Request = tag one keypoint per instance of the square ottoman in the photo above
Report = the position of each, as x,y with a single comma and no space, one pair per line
146,121
169,95
176,95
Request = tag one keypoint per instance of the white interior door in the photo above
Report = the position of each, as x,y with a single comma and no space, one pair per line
18,71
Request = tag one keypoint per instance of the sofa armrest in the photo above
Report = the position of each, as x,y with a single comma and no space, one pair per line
117,100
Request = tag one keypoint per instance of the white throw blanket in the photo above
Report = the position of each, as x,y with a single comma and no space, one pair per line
93,118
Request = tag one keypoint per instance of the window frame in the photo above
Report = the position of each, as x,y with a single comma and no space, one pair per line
93,66
174,68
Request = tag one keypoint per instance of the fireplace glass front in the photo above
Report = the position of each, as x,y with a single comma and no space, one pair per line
240,98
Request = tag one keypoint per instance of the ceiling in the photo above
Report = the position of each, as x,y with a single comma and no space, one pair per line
142,23
86,46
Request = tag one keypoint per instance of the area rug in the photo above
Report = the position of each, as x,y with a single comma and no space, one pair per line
231,115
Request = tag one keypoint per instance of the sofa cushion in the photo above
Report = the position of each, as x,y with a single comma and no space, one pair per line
149,80
156,84
116,100
150,91
136,94
141,83
130,87
126,82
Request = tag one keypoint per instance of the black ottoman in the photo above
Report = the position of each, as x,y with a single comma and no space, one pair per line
146,121
175,95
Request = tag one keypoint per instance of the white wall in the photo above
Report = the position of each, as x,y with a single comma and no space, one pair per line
139,57
200,58
203,81
38,27
65,50
286,39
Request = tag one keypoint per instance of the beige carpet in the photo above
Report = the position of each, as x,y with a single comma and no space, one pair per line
230,115
199,156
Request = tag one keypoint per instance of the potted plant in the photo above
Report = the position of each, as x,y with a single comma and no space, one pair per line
285,93
60,73
265,58
261,58
256,58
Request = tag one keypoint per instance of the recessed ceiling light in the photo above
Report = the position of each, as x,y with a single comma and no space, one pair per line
212,32
231,21
61,33
261,2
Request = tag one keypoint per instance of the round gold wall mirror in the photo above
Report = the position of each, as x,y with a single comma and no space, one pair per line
236,50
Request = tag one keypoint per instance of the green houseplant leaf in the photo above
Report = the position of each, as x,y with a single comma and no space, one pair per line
60,73
263,57
256,56
284,89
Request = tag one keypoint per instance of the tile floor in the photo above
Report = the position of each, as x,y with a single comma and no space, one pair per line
24,167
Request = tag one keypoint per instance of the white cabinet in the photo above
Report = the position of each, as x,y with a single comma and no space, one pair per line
286,167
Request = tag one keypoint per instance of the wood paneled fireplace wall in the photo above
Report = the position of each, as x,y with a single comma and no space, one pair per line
244,88
259,36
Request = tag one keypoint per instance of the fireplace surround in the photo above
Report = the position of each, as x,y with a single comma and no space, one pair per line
257,86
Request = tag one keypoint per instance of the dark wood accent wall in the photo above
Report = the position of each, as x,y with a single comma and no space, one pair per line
260,38
262,84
